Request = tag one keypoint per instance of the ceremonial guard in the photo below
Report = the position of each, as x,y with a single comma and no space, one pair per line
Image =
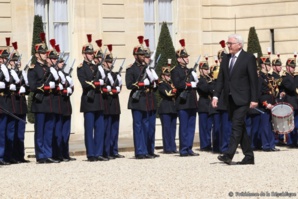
68,88
276,80
266,102
185,81
12,108
289,95
141,102
225,123
91,78
22,89
204,105
112,110
41,83
167,110
4,81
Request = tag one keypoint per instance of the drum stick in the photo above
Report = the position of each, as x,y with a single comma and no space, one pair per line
259,110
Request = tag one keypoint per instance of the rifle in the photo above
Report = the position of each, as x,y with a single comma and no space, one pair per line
65,63
142,77
183,94
39,96
12,115
91,92
120,69
71,68
25,69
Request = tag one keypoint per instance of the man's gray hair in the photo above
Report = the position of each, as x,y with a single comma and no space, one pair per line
238,38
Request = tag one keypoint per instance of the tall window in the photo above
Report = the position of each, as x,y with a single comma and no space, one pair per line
155,13
55,19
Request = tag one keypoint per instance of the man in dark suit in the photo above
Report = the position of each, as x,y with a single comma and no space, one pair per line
239,82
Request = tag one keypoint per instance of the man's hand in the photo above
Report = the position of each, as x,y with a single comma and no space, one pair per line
214,102
253,105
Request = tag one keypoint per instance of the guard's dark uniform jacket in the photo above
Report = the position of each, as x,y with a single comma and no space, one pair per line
111,99
21,102
167,104
178,75
37,76
147,100
87,73
204,91
288,86
266,92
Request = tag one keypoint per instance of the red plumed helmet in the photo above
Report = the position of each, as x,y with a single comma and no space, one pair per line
141,39
7,41
15,45
53,43
89,38
42,37
147,42
182,42
99,43
57,48
110,47
222,43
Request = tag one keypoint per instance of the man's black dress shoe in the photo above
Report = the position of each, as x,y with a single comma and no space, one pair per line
100,158
275,149
92,159
118,156
70,158
140,157
167,152
50,160
154,155
149,156
2,162
109,157
193,154
243,162
41,161
224,159
24,161
14,161
183,154
175,151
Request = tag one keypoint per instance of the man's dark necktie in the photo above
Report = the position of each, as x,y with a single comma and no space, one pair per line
232,63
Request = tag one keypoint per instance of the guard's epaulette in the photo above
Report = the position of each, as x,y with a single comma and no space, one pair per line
127,67
284,73
31,66
173,67
160,82
270,73
80,66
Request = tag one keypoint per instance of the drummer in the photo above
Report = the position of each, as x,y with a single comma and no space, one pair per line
289,95
267,100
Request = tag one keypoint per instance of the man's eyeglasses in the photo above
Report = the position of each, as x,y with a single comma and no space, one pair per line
231,43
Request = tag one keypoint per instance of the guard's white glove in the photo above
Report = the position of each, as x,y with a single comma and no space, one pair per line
62,77
5,72
54,73
155,76
154,84
60,87
110,78
102,72
52,84
109,88
101,82
119,80
149,74
25,77
12,87
146,82
2,85
70,82
15,76
193,84
22,90
118,89
69,91
195,76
